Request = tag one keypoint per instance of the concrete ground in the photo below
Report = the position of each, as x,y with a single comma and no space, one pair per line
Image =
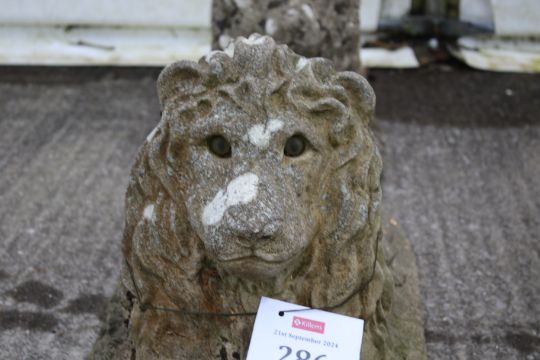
462,177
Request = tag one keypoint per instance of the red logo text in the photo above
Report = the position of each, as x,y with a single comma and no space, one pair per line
308,324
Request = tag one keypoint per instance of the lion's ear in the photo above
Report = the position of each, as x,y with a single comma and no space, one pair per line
360,93
182,78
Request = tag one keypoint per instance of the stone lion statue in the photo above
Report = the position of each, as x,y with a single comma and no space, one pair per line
261,179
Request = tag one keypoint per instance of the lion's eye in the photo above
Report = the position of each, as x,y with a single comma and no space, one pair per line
219,146
295,146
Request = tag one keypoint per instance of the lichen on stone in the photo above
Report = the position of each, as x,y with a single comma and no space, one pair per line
226,230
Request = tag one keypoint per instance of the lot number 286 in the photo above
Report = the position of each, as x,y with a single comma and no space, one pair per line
300,354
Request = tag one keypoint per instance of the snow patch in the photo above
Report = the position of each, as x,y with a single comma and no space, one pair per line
240,190
259,135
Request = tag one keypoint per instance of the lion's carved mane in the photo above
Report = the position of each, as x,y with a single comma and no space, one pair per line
167,262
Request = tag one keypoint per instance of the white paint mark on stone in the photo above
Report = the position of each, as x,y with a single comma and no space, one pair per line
224,41
292,13
253,40
308,11
229,50
345,191
148,212
259,135
363,212
301,63
172,215
240,190
270,26
152,134
242,4
208,56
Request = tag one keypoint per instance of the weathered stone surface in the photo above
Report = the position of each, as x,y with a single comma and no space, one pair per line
312,28
261,179
406,314
406,318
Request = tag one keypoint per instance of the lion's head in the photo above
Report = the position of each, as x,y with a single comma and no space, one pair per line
262,176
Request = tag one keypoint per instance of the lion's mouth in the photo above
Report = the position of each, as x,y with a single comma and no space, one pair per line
256,264
271,255
252,258
256,256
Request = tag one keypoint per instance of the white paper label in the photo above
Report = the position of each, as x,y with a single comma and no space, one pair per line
310,334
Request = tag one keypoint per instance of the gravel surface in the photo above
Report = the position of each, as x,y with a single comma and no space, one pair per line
462,170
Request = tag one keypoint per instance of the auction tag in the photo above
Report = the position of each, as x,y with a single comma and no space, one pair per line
281,334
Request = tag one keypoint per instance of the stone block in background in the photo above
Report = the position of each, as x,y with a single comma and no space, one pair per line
312,28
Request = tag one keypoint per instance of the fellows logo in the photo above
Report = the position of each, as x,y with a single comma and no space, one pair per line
308,324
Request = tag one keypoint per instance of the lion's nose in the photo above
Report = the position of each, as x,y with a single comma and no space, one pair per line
251,226
254,236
